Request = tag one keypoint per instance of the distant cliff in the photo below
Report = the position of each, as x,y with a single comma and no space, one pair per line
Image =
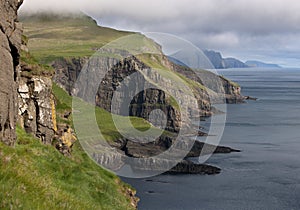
223,63
219,62
258,64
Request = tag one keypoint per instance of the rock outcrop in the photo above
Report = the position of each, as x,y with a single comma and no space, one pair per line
10,45
142,156
66,140
36,103
25,89
188,167
37,107
141,105
67,72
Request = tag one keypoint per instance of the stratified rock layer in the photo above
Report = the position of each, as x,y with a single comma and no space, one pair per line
37,107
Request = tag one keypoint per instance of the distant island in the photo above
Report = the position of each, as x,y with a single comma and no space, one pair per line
225,63
258,64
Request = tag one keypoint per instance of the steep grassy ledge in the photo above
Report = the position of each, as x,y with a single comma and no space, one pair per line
36,176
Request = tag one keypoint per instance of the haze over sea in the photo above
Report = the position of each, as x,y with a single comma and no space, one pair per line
266,174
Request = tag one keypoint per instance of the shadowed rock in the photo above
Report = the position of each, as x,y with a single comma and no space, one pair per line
10,44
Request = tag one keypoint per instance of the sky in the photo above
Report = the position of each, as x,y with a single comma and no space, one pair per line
266,30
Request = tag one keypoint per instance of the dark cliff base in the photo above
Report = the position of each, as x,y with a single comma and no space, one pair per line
139,150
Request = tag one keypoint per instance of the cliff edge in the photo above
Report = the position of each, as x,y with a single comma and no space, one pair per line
10,45
33,174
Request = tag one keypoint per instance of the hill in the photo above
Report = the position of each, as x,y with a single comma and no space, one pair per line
53,36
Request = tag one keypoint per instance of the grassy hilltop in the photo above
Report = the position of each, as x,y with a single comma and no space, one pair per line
73,35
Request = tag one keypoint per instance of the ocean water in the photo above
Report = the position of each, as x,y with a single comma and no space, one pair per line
265,175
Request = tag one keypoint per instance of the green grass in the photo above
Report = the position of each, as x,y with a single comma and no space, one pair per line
234,84
104,119
36,176
34,66
63,99
155,62
54,36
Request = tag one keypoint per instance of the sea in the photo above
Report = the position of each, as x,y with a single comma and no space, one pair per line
265,175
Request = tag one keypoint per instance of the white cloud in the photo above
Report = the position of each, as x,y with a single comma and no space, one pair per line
228,25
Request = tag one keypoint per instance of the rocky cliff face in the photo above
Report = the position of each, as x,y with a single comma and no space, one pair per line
25,91
37,107
67,72
10,44
142,103
234,63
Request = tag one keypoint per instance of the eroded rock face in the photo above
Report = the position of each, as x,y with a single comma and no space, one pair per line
134,75
36,107
67,72
10,44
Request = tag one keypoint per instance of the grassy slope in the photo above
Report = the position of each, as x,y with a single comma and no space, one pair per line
52,36
36,176
104,118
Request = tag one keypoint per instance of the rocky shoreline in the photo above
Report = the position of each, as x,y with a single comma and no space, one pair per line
142,156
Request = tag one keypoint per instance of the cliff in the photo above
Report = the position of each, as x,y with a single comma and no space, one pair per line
152,73
36,104
143,103
223,63
25,96
10,45
33,174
